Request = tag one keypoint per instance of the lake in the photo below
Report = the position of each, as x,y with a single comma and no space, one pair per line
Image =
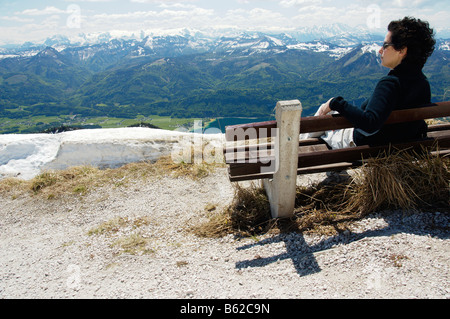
221,123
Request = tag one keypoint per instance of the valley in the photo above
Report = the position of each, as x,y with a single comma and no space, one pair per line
39,124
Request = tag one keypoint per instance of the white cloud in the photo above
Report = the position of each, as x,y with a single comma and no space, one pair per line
144,1
176,5
164,17
17,19
74,1
37,12
413,3
359,13
160,1
292,3
96,16
166,13
253,19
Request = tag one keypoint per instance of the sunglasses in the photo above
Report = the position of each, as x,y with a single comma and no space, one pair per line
386,45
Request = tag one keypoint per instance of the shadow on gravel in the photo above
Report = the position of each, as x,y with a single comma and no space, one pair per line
302,254
296,249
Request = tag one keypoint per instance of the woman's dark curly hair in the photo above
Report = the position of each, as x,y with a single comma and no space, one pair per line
416,35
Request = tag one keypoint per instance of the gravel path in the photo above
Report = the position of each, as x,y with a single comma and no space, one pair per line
46,250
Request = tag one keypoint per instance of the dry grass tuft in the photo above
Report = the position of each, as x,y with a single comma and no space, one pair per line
13,186
134,244
401,180
166,166
80,180
249,214
126,234
117,223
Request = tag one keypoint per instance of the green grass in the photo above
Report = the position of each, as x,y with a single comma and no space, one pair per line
37,124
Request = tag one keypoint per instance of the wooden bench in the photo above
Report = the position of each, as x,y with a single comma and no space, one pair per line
274,153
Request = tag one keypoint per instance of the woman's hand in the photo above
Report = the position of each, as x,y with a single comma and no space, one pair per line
324,108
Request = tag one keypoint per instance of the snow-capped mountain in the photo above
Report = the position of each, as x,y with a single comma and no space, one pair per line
101,55
331,38
191,74
335,39
338,34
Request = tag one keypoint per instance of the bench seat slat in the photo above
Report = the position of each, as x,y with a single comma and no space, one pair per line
249,154
439,127
317,169
252,155
321,160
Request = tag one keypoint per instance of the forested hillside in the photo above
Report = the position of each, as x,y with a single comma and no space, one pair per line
236,77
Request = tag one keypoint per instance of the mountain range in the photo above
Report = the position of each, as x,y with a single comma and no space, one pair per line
194,75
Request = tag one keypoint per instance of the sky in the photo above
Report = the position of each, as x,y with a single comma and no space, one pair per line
30,20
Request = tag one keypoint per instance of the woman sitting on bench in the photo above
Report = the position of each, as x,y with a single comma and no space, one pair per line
407,47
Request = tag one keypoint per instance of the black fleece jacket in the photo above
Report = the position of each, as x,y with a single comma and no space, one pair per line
404,87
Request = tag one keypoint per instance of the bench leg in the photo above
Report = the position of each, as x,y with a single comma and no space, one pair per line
281,190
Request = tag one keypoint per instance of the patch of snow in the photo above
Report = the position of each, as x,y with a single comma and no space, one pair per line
7,56
276,41
371,48
316,47
27,155
445,46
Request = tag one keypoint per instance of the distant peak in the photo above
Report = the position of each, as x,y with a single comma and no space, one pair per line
48,51
371,48
49,54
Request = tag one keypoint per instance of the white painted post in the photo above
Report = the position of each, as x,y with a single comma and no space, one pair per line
281,190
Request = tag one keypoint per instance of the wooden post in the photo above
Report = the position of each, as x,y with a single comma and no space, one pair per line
281,190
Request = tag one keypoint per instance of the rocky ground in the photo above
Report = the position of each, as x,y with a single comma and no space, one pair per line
133,242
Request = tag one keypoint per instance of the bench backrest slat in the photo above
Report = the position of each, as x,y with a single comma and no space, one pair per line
333,122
